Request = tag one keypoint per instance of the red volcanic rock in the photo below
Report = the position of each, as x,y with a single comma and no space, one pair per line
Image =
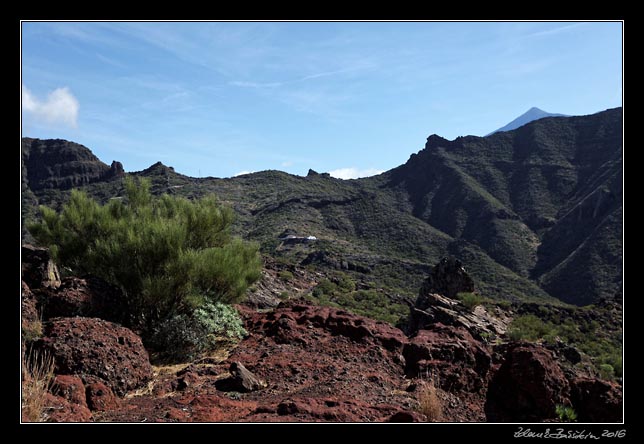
71,388
59,409
596,400
29,310
450,356
100,397
285,326
97,350
527,387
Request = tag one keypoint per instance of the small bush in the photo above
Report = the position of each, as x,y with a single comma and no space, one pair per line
283,295
529,327
566,414
470,300
37,376
184,337
430,404
168,254
285,276
606,371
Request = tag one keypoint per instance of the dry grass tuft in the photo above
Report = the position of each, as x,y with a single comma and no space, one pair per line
430,404
37,376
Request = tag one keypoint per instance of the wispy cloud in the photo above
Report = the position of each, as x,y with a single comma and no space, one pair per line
554,31
245,84
60,107
354,173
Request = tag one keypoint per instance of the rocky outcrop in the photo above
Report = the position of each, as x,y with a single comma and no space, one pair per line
38,268
449,356
448,278
433,308
596,400
527,387
56,163
97,351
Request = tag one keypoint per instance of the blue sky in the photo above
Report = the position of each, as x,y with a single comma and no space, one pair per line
355,98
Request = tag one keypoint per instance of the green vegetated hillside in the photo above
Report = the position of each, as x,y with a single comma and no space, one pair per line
534,213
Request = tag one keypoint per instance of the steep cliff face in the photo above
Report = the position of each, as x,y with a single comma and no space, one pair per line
59,164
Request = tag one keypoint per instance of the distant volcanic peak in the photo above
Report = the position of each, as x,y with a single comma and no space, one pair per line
531,115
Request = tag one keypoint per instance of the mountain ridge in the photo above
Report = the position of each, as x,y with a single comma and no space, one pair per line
534,212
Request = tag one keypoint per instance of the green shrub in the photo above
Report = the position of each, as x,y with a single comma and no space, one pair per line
183,337
606,371
169,255
566,414
325,286
285,276
470,300
529,327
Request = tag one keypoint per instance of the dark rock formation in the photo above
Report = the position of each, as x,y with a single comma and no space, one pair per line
38,268
527,387
448,278
89,297
595,400
56,163
97,351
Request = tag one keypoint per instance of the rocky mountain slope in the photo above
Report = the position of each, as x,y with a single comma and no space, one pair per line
534,213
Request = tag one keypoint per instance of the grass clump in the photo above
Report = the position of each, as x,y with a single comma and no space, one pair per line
37,376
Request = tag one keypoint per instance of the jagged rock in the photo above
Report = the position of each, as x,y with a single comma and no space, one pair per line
596,400
448,278
38,268
89,297
527,387
97,351
450,356
431,308
116,169
243,379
